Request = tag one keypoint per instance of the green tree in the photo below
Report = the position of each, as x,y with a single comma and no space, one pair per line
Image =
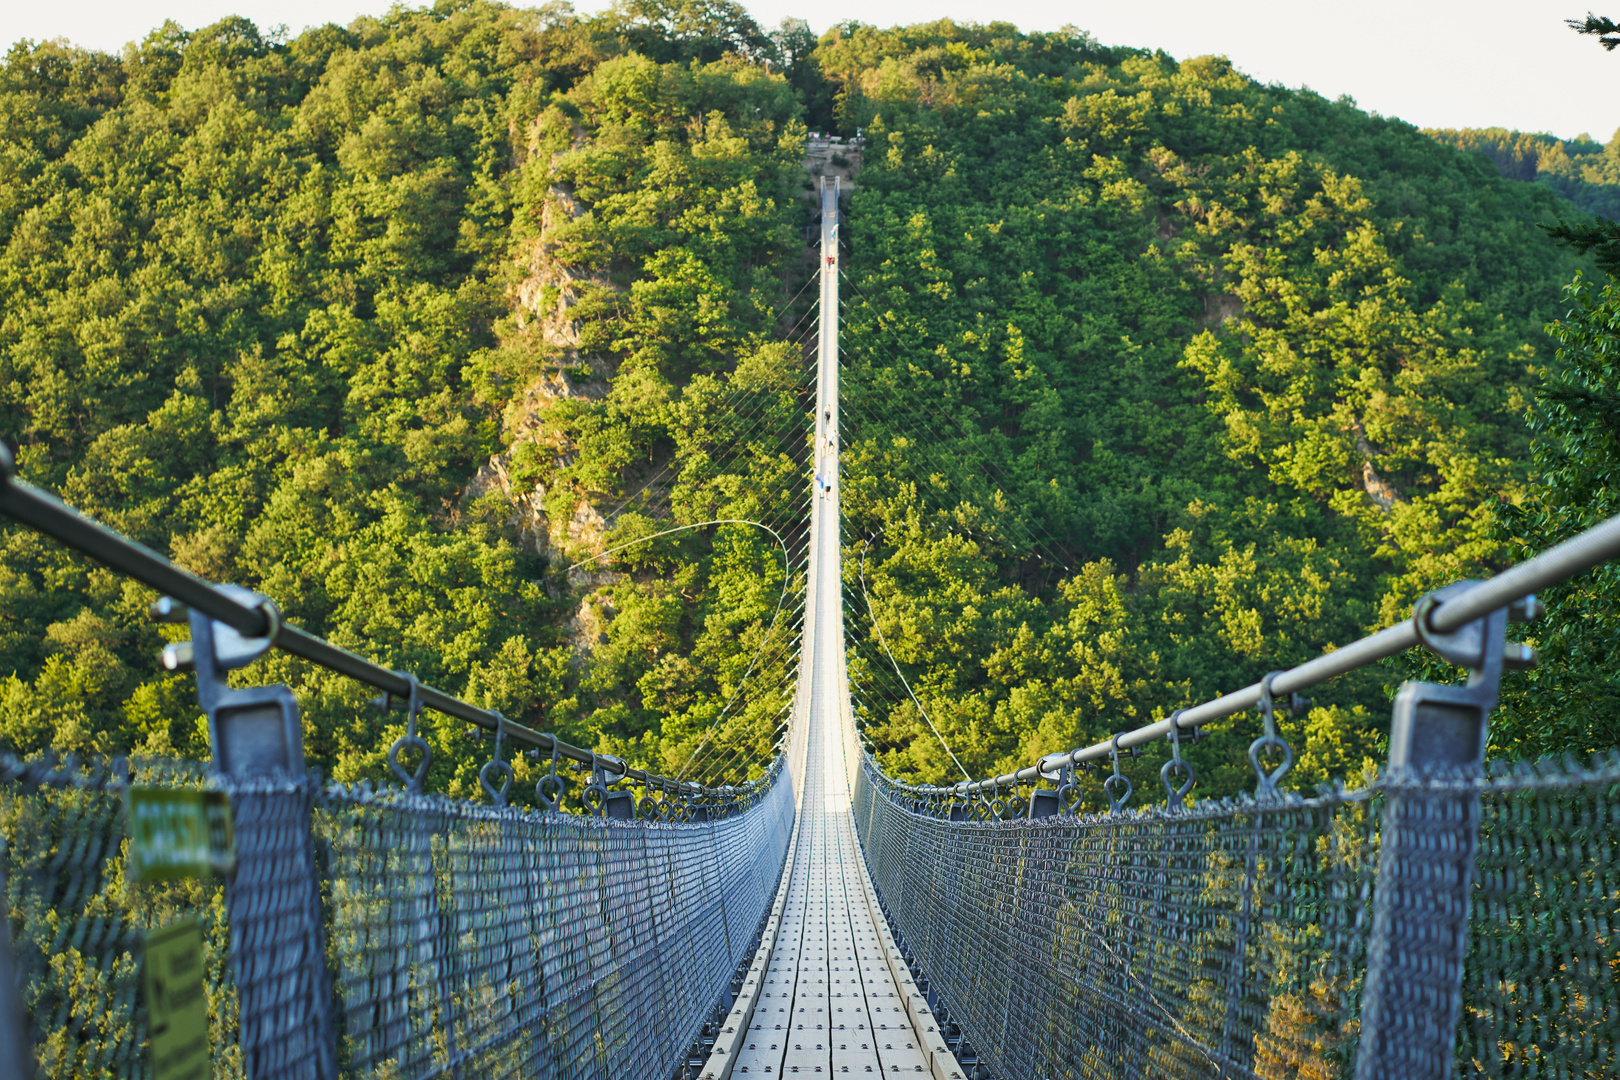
1571,702
1602,237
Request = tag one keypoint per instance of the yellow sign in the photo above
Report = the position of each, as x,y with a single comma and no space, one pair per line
177,1003
176,832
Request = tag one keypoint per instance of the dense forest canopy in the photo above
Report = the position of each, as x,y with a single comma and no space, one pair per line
1157,378
1582,170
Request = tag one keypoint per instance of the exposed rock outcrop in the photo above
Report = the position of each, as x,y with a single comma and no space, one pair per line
579,535
1383,494
543,303
1219,309
547,296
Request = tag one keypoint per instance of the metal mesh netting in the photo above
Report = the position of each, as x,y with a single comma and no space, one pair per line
475,941
1230,939
455,939
76,923
1541,989
273,911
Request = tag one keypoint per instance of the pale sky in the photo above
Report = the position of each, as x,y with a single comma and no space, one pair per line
1434,63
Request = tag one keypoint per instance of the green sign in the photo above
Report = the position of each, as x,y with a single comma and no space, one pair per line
179,832
177,1003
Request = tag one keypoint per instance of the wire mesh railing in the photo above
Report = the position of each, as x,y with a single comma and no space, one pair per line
380,933
1452,917
1233,938
352,931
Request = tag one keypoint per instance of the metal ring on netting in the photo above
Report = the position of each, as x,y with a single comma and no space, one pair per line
1266,788
415,780
1174,795
988,803
650,807
671,805
647,807
997,804
498,797
595,794
1068,792
556,784
1070,797
1117,782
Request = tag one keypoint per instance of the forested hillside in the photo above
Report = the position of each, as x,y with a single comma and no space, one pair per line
1282,350
1158,378
1582,170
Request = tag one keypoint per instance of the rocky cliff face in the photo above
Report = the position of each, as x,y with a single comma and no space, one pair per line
543,303
548,294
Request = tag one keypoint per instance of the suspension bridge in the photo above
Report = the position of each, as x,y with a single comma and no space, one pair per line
1452,917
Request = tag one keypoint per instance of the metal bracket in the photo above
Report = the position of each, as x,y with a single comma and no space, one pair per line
1412,992
1049,802
1436,726
254,730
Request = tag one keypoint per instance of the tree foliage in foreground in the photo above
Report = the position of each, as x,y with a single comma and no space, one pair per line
258,304
1571,703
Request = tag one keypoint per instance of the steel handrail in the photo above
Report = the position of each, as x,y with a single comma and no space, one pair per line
43,512
1559,563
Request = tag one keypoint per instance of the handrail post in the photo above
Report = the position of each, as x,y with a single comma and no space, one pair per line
16,1048
273,903
1412,997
